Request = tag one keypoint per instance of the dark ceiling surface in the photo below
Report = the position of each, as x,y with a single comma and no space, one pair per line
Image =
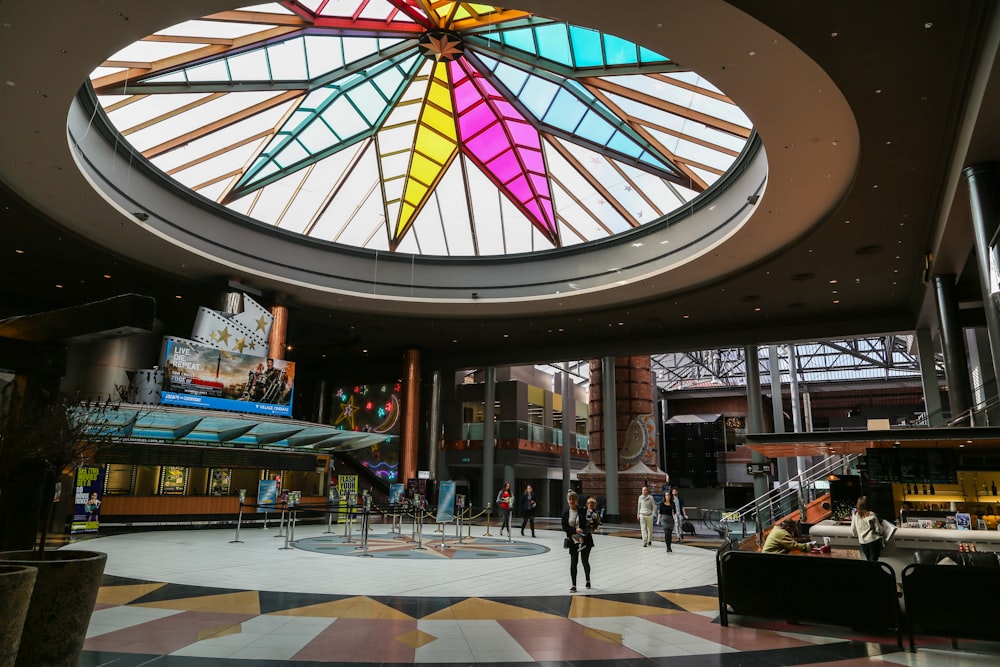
917,77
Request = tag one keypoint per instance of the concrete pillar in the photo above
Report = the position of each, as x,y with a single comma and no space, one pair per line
279,331
953,345
410,435
984,203
434,425
489,434
927,356
755,413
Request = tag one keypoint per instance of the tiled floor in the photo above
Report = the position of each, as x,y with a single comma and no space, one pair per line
194,598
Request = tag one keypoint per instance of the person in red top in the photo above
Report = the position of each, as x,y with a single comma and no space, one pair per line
505,501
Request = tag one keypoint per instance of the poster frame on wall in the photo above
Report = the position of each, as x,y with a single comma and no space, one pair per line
88,496
446,502
267,495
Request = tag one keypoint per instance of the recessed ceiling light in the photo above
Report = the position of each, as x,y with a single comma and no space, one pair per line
757,309
833,282
107,275
928,25
836,300
19,251
58,285
178,296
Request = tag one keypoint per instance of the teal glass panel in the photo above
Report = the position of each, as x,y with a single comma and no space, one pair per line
618,51
566,111
351,112
586,46
646,56
624,145
594,128
537,95
553,43
523,39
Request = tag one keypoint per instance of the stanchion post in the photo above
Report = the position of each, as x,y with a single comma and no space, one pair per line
489,515
239,521
418,508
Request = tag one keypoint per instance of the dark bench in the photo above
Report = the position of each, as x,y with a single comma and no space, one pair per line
952,601
858,594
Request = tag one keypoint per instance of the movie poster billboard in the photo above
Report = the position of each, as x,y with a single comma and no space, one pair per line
200,376
267,495
89,488
446,502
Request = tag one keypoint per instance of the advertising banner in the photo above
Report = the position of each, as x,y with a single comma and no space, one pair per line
200,376
446,502
395,494
87,501
267,495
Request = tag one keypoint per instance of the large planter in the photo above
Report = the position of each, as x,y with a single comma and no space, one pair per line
16,584
62,601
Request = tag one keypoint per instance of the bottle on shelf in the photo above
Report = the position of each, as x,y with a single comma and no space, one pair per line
993,488
932,488
925,490
907,488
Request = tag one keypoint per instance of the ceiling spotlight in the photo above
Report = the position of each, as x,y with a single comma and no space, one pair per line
753,199
141,216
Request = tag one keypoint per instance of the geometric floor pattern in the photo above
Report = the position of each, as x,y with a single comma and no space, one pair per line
313,610
393,545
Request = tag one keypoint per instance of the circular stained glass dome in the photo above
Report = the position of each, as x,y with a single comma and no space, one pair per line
429,128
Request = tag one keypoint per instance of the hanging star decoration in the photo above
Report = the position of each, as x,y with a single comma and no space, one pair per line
347,413
222,335
262,324
240,344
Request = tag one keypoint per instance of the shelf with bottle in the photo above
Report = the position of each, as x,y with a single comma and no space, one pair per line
928,492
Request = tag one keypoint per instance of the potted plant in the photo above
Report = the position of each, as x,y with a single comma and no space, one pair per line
42,437
16,584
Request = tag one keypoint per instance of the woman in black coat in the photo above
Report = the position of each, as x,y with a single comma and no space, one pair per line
668,517
528,506
578,527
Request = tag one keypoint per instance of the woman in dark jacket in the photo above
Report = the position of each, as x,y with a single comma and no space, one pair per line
668,515
528,506
578,532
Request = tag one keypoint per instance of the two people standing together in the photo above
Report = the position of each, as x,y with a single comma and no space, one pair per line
671,511
528,504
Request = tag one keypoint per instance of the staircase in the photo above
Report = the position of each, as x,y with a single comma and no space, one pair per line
798,498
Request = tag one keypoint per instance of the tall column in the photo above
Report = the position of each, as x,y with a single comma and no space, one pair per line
953,346
785,471
410,435
321,402
612,510
489,444
755,413
279,330
567,433
804,462
928,378
984,201
434,425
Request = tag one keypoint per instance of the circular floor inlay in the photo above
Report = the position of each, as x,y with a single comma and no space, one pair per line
393,545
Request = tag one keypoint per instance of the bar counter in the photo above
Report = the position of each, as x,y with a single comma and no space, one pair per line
898,552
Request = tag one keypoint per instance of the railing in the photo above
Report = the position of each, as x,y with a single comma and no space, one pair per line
790,496
519,430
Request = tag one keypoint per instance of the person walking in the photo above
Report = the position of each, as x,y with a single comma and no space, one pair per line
579,540
646,508
680,513
868,529
666,517
528,506
505,501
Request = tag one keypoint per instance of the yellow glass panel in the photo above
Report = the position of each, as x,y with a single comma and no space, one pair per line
423,169
415,191
439,95
436,147
405,216
443,123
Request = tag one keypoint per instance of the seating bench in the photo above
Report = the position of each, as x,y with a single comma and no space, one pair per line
951,600
801,588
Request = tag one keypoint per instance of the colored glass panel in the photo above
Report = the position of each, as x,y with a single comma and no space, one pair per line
284,87
337,109
570,108
435,147
501,142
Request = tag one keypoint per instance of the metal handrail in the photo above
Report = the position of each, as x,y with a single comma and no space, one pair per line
785,495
